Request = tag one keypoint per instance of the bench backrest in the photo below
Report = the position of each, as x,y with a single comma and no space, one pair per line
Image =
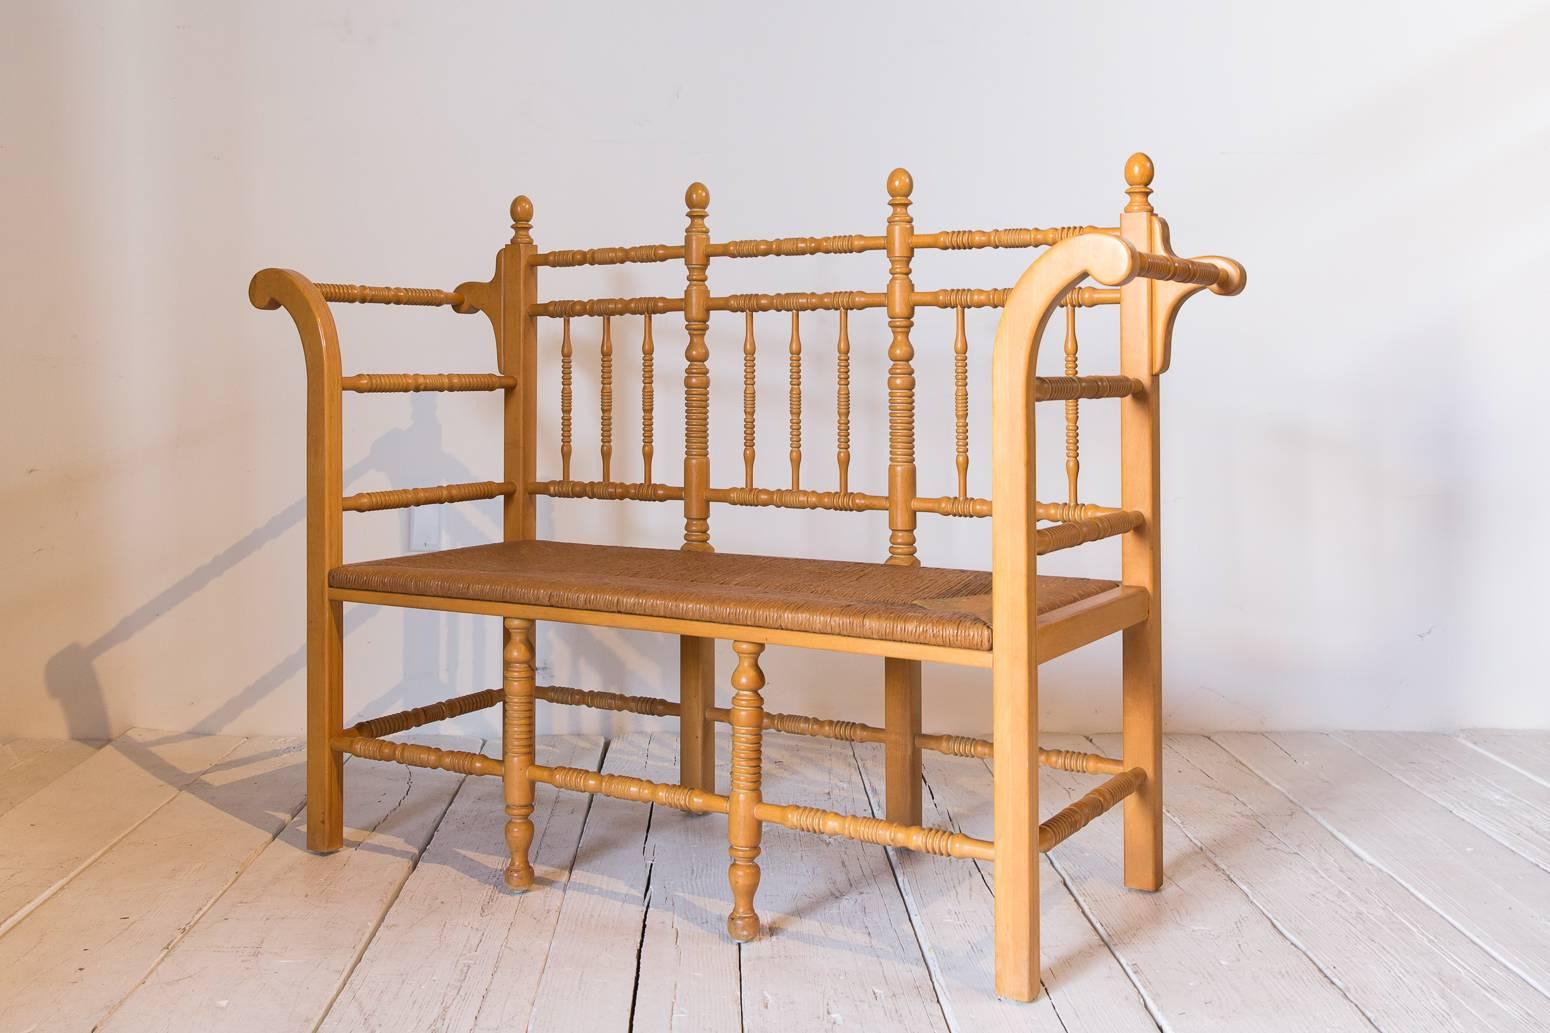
627,329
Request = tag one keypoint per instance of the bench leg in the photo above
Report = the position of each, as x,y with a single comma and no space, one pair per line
518,749
743,825
325,719
901,720
1015,731
1142,719
696,732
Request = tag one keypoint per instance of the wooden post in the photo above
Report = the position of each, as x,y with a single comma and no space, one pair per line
302,301
1014,672
1141,552
696,695
901,374
743,826
518,749
901,720
517,354
696,374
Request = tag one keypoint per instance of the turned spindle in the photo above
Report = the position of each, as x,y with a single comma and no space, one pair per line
696,373
796,401
743,826
647,398
517,749
901,374
749,397
566,352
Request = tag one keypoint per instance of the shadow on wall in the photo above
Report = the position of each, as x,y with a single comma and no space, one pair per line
407,456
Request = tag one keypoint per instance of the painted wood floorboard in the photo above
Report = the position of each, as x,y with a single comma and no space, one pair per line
1528,752
951,904
27,765
458,949
1369,882
1204,956
1496,896
104,796
1403,964
272,953
70,961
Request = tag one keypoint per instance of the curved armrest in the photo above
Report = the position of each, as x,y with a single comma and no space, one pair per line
285,288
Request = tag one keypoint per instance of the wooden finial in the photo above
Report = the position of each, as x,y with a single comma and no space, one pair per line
1138,173
522,220
900,183
697,196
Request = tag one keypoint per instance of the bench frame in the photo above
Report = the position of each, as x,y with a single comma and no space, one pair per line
1138,271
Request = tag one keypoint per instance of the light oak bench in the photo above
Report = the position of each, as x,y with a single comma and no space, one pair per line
897,609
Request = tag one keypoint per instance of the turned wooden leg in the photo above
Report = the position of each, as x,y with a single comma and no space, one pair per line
742,824
696,732
1142,718
325,719
901,719
1015,731
518,750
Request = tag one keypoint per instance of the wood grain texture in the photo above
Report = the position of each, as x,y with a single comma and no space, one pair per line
69,962
588,979
459,952
1402,963
688,976
1526,751
1086,989
1200,951
275,949
27,765
106,796
1498,897
1507,805
839,951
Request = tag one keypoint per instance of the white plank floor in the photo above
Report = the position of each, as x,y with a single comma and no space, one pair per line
1353,881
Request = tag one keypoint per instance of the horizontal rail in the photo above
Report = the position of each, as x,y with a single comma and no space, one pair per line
378,383
820,728
1090,297
795,498
607,307
1052,389
359,294
1080,532
377,727
798,301
1181,270
1084,811
401,498
624,787
795,246
942,842
967,240
952,505
968,506
613,490
651,706
610,255
1069,512
416,756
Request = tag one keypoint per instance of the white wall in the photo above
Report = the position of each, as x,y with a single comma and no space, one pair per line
1354,448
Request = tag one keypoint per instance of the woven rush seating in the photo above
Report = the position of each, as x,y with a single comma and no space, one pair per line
1005,619
930,606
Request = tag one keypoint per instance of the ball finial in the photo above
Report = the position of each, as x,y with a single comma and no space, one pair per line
522,209
900,183
697,196
1139,170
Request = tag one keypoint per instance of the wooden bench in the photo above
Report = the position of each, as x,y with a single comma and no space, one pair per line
897,609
